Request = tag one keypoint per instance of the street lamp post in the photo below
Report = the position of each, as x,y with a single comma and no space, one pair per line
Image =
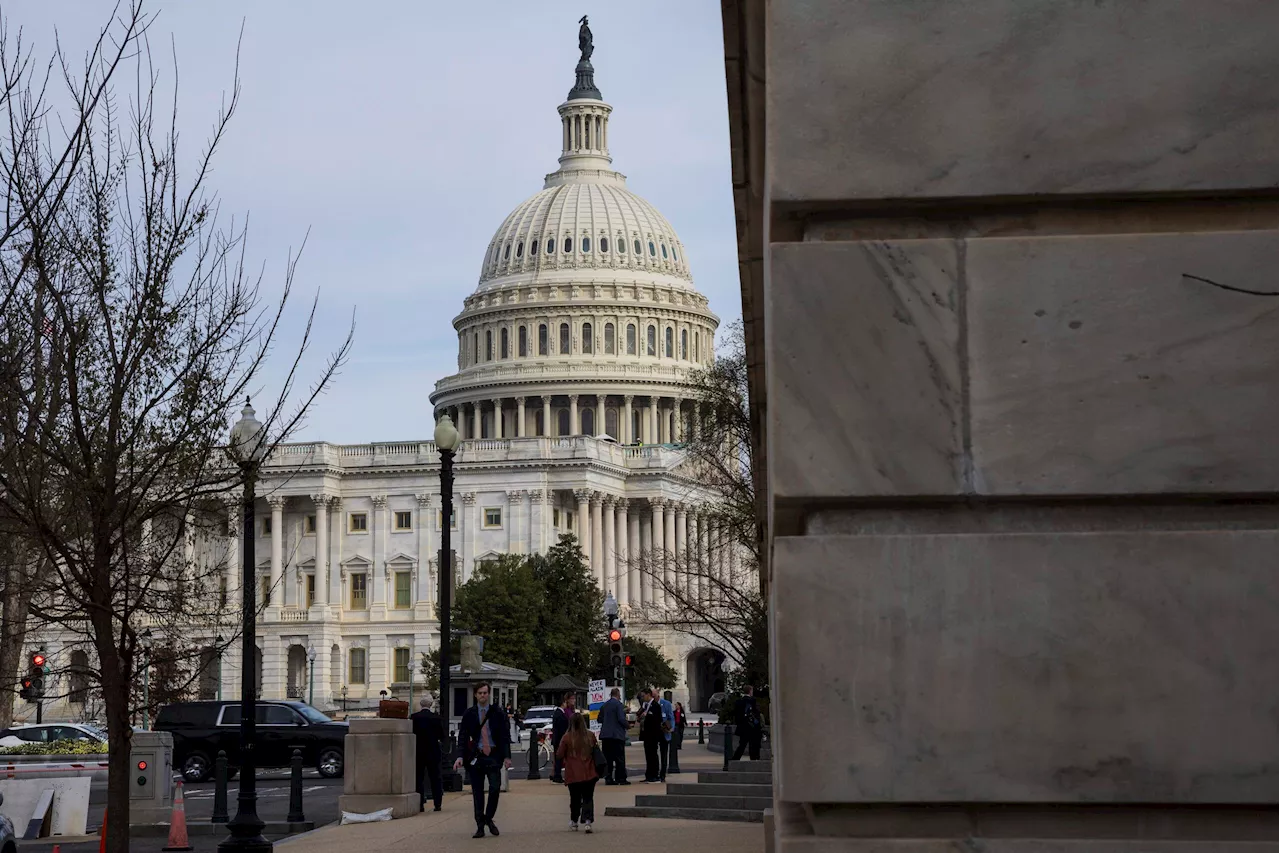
146,679
446,440
218,641
248,447
344,701
311,676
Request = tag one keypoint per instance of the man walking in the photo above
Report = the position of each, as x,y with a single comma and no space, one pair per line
485,738
668,725
746,718
650,733
428,732
560,719
613,738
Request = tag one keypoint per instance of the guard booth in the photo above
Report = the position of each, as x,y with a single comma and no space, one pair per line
151,777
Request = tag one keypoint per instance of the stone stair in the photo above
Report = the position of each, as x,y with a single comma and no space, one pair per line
740,794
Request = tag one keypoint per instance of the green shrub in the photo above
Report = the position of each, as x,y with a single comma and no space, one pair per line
57,747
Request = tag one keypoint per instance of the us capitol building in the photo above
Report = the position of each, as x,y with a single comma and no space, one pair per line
573,392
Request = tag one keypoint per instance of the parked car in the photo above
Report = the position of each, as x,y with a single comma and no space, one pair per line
538,716
201,729
49,732
8,840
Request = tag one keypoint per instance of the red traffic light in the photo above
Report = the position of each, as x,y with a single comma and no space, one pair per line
26,683
142,765
615,636
626,661
37,659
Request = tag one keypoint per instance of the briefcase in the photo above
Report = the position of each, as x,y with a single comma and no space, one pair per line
393,709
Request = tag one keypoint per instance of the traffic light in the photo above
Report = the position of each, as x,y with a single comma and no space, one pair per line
25,692
615,647
35,682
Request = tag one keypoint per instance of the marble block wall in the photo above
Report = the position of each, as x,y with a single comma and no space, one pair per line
1017,282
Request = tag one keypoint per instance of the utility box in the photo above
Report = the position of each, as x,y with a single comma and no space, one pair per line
151,778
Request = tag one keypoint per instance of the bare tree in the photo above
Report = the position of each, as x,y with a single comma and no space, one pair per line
143,333
710,595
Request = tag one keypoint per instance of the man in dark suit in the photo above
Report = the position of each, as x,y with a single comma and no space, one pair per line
484,735
560,719
746,721
651,733
428,733
613,738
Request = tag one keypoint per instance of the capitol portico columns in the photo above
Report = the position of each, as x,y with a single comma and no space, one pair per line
584,521
597,538
322,549
672,549
520,417
423,596
378,532
659,564
681,556
627,437
335,532
634,551
276,503
546,414
622,582
609,548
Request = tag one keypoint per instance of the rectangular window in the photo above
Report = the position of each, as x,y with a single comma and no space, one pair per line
311,590
523,336
568,521
492,517
564,338
222,592
358,522
402,590
359,591
402,662
555,518
651,341
404,519
266,525
309,524
453,519
356,669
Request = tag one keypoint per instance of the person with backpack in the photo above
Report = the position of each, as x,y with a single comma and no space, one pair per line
581,758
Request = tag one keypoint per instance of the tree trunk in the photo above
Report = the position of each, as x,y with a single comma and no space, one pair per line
16,597
115,697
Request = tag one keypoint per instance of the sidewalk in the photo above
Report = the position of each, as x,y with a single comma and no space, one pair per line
534,816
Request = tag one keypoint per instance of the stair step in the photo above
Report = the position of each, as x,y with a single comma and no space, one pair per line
737,815
712,790
705,802
762,766
719,777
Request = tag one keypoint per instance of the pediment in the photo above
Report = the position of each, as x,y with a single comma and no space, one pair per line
401,559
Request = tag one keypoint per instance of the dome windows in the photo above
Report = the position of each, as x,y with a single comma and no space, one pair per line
533,247
504,345
520,249
610,345
604,244
506,253
637,247
523,338
631,339
551,246
542,339
674,256
670,342
568,245
588,342
622,245
651,341
664,252
652,251
488,345
684,344
586,245
564,338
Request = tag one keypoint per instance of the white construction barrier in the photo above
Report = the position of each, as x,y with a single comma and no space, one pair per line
69,804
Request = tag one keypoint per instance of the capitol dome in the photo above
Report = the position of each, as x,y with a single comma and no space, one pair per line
585,319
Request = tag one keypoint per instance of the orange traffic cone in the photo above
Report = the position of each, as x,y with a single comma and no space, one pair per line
178,823
102,833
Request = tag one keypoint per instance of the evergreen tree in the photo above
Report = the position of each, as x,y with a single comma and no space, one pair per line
502,603
571,620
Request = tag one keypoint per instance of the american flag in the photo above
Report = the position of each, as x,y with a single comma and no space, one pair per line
48,328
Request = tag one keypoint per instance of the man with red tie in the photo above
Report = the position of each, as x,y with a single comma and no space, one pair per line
485,738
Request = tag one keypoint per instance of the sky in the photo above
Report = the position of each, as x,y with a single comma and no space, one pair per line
396,137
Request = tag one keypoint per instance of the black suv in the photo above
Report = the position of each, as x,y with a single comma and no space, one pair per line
200,729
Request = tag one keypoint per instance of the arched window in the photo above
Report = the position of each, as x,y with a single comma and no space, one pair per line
631,339
652,251
611,423
664,252
651,341
563,417
588,344
520,249
504,344
506,253
637,246
671,348
684,344
604,244
522,341
551,246
568,245
622,245
564,338
542,339
586,244
488,344
588,421
674,255
609,343
533,247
